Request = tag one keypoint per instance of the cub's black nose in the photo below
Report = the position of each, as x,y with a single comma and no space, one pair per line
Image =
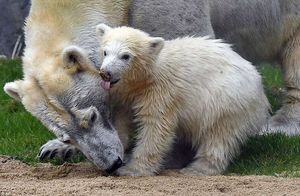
117,164
105,75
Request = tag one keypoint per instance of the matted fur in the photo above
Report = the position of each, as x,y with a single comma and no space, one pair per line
196,86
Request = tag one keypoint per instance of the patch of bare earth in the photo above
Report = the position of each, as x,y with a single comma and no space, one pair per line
17,178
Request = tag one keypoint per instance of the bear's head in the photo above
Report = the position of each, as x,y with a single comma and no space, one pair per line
127,54
69,101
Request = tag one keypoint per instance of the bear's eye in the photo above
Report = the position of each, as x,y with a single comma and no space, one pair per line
93,117
104,53
125,57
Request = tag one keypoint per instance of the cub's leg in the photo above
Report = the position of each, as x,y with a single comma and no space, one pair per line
211,159
123,123
216,149
56,148
154,138
287,119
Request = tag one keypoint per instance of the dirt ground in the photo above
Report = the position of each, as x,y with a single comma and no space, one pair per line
17,178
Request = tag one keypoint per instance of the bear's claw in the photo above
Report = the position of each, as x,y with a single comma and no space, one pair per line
56,149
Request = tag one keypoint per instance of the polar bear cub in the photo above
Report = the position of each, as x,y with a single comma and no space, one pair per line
198,87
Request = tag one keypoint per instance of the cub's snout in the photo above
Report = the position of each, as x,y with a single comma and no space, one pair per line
105,75
108,80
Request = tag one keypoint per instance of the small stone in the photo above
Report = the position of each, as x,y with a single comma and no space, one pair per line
3,57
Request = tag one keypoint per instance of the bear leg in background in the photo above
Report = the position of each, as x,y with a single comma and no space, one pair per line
287,119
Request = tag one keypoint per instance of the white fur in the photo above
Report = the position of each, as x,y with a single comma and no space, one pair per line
197,86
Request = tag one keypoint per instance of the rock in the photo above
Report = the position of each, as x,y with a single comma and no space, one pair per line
12,18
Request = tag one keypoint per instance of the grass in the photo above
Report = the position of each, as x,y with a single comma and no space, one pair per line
276,155
273,83
21,135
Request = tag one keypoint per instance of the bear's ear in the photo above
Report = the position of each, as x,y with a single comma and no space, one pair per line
86,116
75,58
101,29
156,44
12,89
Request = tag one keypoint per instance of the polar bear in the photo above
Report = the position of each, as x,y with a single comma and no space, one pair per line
196,86
260,30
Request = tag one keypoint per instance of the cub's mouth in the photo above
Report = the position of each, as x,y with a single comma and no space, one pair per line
107,85
114,81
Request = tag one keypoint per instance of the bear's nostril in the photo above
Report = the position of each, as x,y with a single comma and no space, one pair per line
117,164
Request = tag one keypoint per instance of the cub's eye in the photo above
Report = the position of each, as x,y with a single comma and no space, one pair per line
125,57
104,53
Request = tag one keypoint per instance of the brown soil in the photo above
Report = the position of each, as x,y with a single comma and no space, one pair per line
17,178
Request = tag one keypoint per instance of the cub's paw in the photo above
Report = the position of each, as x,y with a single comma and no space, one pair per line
189,171
202,167
57,149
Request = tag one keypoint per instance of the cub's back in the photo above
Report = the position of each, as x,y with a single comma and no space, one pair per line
203,57
205,68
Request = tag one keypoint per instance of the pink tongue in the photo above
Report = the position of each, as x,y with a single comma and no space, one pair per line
105,85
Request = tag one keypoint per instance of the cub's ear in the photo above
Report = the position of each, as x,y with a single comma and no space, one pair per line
13,90
75,58
101,29
156,44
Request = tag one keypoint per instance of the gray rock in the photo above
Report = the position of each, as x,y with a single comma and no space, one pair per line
12,18
3,57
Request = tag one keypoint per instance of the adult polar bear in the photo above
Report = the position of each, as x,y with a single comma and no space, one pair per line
259,29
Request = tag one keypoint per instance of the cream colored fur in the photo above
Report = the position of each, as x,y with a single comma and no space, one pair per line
195,86
55,31
72,23
52,29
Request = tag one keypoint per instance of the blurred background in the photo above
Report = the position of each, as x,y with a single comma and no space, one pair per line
12,15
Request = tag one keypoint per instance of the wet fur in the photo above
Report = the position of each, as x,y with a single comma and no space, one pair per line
196,86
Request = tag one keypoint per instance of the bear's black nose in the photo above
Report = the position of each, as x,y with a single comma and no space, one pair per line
117,164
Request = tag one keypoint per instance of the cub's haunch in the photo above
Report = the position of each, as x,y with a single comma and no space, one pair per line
197,87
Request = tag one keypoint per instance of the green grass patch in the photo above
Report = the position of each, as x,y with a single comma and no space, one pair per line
273,83
276,155
21,135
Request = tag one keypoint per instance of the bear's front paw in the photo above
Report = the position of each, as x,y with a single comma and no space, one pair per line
133,171
56,148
